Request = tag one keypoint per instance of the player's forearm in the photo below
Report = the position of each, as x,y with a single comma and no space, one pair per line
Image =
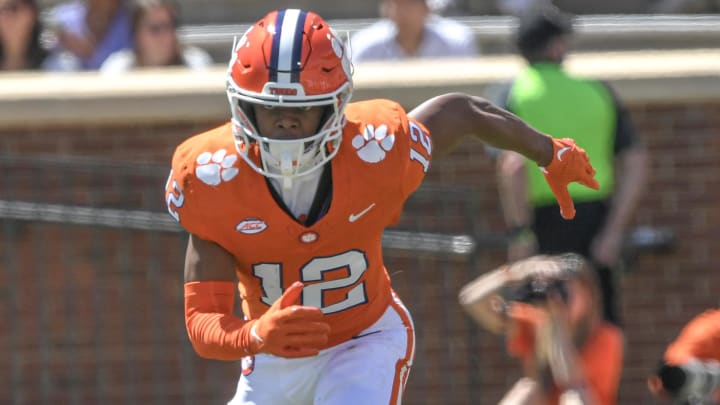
453,116
218,336
503,129
215,333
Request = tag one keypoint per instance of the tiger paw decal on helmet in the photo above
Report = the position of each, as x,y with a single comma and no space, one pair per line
214,168
373,143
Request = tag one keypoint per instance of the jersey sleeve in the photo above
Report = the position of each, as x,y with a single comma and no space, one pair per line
407,141
419,153
181,194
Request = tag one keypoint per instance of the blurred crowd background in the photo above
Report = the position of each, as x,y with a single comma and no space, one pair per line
59,35
91,263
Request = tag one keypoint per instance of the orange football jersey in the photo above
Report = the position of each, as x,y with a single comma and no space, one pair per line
215,195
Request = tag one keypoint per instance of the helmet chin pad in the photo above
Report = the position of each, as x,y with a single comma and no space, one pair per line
289,156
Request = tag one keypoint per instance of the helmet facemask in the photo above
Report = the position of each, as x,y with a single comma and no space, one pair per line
288,158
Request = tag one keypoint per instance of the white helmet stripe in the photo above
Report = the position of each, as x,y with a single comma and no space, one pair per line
289,39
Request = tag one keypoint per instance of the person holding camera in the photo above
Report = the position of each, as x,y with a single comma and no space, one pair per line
548,308
689,372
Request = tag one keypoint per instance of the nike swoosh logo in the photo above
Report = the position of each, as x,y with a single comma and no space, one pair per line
562,152
355,217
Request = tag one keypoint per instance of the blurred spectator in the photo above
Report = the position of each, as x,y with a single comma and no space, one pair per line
409,29
690,369
88,32
20,31
558,103
547,309
155,40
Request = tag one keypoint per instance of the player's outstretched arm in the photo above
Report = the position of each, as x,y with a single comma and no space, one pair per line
454,116
286,329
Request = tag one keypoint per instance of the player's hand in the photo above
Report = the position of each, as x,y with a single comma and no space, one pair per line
569,164
288,329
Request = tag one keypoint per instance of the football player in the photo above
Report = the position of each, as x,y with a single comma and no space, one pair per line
286,206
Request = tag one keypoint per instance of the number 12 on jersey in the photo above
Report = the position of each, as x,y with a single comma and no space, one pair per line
417,135
354,261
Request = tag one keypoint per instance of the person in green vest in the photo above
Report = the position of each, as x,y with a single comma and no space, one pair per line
548,97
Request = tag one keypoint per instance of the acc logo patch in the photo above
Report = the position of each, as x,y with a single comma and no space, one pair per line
251,226
309,237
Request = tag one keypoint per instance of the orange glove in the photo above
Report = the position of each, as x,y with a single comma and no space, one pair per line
288,329
569,163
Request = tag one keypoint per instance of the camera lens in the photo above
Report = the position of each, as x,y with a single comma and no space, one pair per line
673,378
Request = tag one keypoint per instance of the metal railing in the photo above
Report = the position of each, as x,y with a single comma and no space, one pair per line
427,242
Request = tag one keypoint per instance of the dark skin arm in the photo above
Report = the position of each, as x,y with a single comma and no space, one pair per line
206,261
454,116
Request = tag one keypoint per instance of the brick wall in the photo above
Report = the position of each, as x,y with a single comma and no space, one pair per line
96,314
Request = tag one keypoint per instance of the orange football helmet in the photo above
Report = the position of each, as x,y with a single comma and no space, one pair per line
289,58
